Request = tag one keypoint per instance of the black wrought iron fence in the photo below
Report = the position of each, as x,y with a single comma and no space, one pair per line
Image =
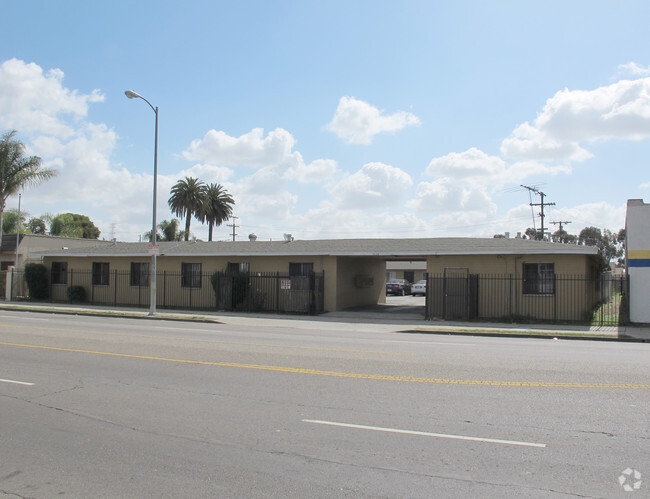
601,300
253,292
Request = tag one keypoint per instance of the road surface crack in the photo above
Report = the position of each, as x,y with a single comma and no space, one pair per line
420,474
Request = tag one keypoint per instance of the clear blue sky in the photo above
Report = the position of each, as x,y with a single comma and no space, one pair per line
334,119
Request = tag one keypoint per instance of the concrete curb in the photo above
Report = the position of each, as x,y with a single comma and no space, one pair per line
642,335
546,335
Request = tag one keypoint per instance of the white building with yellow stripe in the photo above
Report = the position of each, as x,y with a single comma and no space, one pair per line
637,229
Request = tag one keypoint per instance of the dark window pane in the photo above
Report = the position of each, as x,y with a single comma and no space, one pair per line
59,272
100,273
191,275
139,274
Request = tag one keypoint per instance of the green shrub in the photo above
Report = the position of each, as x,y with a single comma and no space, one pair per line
76,294
36,277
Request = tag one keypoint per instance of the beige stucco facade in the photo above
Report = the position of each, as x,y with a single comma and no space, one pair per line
510,264
30,244
348,282
502,293
353,271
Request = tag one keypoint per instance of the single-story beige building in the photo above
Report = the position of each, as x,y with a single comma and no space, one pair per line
349,272
29,244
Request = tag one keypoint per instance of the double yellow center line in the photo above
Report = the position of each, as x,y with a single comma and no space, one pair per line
317,372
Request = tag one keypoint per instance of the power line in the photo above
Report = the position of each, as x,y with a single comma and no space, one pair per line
541,204
234,226
561,224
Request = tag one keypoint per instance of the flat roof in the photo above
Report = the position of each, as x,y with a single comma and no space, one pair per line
387,248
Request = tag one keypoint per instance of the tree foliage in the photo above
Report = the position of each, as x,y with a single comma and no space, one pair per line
169,229
610,244
36,226
562,236
74,225
10,221
190,197
36,277
216,207
18,170
606,241
186,200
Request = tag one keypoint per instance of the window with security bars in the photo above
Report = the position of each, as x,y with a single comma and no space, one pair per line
301,269
238,268
139,274
539,279
100,273
59,272
190,275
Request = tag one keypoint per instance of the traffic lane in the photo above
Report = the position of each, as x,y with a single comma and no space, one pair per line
429,357
303,335
265,412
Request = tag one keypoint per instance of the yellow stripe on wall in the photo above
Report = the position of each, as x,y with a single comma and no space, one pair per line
638,254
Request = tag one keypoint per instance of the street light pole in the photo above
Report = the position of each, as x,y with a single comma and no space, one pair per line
152,306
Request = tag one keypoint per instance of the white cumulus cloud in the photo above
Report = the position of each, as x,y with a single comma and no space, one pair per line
446,195
472,165
374,185
319,170
572,117
635,69
357,122
251,149
32,101
255,150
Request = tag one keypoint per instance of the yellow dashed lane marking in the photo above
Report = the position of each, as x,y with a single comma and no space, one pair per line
213,341
317,372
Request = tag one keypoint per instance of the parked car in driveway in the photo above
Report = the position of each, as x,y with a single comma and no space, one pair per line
419,288
398,287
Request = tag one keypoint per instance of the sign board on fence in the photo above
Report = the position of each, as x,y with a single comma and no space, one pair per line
285,283
154,249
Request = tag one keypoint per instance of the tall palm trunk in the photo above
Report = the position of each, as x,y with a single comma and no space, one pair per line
187,226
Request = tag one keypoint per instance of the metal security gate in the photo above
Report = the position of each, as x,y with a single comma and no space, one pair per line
452,295
460,291
458,295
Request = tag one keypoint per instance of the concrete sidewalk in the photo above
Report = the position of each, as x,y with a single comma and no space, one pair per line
386,319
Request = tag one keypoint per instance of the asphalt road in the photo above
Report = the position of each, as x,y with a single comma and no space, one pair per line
111,407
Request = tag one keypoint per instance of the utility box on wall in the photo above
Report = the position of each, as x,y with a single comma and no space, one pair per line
637,258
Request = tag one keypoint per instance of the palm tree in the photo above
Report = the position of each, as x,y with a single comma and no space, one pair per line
217,207
170,230
16,170
186,200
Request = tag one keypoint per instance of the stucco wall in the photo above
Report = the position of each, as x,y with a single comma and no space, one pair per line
209,264
638,258
169,268
501,291
348,282
360,281
578,265
31,243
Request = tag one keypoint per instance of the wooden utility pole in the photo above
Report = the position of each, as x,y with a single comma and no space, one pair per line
541,204
561,224
234,226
